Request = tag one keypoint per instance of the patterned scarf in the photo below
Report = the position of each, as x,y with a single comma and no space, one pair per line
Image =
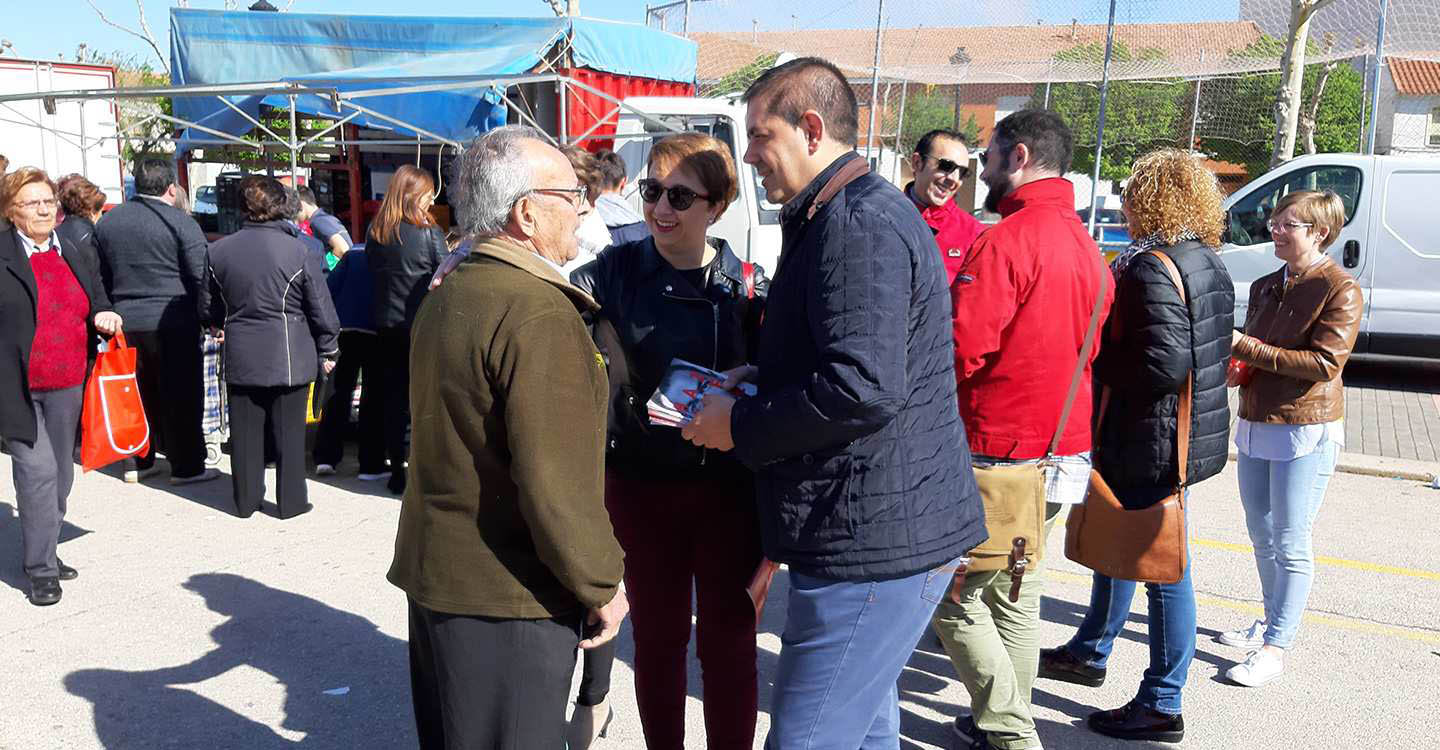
1144,245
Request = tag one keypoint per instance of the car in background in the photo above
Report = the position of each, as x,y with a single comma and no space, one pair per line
1111,230
205,201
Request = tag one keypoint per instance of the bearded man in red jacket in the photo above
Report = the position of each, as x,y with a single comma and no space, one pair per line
1022,302
941,162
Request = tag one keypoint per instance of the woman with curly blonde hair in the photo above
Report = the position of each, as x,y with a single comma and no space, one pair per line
1166,338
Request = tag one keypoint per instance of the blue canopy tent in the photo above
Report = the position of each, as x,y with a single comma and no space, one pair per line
436,78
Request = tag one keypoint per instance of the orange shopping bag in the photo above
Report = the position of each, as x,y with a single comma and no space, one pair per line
112,419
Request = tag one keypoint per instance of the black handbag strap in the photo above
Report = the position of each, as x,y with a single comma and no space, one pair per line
1187,392
1084,359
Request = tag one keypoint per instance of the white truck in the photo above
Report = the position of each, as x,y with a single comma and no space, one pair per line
1390,242
61,137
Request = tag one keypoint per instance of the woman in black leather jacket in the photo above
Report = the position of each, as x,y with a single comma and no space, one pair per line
684,515
404,247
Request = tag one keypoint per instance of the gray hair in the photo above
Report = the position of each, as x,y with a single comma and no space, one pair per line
490,175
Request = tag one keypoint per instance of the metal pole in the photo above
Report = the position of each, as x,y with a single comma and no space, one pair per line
1375,79
1195,113
1048,76
1100,126
564,112
900,129
875,84
294,154
84,144
685,28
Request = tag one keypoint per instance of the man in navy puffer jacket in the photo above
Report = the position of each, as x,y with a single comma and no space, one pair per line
862,470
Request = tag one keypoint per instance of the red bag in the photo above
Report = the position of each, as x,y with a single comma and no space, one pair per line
112,420
1239,374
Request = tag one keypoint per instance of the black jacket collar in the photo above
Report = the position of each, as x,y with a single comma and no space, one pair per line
280,225
726,263
802,200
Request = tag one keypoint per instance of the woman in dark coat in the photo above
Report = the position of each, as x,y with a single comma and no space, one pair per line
50,297
280,329
404,247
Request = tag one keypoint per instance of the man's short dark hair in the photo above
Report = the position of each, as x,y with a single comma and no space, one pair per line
292,203
611,168
1043,132
306,194
264,198
154,176
808,83
922,146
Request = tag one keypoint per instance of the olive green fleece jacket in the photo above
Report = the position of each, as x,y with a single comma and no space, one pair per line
504,511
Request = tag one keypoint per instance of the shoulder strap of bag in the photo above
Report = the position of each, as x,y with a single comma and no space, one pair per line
1187,392
853,170
1080,363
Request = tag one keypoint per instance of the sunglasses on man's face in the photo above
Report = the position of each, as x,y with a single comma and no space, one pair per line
999,152
681,197
946,166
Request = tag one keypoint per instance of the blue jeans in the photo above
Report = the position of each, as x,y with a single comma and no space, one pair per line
844,646
1281,499
1171,633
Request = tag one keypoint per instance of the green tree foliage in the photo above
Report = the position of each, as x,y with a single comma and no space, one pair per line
931,110
1139,115
1237,120
740,79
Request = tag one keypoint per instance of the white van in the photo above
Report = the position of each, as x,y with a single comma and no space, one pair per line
1390,242
751,224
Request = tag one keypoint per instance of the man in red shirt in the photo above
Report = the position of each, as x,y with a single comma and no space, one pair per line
1022,302
941,162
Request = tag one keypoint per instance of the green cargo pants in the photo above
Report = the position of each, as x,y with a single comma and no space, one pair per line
993,644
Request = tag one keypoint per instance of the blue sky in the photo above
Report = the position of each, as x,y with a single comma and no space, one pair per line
44,34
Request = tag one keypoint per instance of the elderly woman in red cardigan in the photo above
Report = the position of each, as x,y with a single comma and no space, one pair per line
50,296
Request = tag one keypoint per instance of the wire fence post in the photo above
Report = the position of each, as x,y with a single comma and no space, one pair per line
294,145
899,130
1375,81
1364,97
1100,125
875,85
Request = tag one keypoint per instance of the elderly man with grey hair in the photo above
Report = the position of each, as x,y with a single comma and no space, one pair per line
505,550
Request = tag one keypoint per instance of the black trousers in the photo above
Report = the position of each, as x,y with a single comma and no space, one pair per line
170,370
480,682
279,413
394,356
359,354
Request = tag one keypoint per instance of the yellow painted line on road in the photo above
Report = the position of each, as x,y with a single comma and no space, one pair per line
1338,562
1343,623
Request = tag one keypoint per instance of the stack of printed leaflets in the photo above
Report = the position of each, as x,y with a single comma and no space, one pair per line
682,389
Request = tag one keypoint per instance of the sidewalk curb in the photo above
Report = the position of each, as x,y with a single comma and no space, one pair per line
1382,466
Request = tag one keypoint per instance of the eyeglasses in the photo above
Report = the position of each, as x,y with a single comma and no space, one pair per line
580,193
946,166
1289,226
984,156
32,205
681,197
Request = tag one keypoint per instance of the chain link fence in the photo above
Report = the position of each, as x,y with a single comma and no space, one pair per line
1201,75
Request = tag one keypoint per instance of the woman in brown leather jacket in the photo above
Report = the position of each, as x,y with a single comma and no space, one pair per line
1301,327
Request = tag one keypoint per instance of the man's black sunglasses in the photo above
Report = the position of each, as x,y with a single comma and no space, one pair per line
681,197
947,166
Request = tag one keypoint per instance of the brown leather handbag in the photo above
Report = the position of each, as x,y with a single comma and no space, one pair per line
1146,545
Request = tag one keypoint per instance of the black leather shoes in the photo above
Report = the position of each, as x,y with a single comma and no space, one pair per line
67,573
44,591
1133,721
967,735
1060,664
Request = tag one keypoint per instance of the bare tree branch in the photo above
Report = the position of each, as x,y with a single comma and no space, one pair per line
147,36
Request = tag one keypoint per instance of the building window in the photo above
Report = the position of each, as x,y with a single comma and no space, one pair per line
1433,132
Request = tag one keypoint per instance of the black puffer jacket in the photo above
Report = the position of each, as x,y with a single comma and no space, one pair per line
1145,365
657,316
401,270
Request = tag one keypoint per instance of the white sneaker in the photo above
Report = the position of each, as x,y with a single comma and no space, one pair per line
1261,667
324,470
1249,638
373,477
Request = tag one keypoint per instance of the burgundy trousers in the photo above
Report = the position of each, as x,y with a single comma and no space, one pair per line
677,534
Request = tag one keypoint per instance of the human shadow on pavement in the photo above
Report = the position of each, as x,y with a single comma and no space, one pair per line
1069,613
12,569
305,645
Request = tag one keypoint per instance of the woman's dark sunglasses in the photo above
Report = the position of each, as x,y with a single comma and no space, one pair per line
945,166
680,196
